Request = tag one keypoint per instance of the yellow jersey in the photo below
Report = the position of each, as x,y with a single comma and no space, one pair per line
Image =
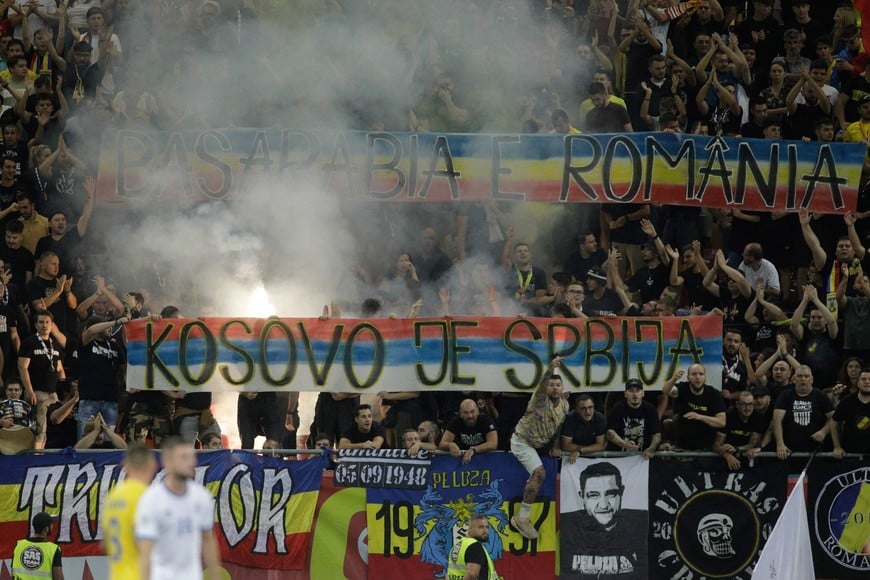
119,516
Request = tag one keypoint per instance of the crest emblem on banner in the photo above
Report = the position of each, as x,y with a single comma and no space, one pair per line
712,524
842,513
441,524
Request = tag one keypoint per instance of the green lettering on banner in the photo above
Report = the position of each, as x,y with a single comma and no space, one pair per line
686,346
658,329
419,326
209,362
456,349
321,374
224,369
377,360
511,373
263,352
602,351
555,328
153,360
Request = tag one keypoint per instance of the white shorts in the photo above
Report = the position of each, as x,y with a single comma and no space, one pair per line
526,454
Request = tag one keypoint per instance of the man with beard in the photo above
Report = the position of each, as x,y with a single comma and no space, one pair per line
737,375
605,539
741,432
64,242
633,424
469,558
817,340
525,282
470,433
853,415
175,521
536,430
699,409
803,417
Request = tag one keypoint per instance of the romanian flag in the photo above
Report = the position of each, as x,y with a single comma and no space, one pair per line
411,532
264,506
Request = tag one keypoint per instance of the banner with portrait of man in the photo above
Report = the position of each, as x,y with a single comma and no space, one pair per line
604,518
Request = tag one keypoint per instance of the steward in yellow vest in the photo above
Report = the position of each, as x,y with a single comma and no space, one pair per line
36,558
468,559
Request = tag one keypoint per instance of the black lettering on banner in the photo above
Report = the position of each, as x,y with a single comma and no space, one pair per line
626,351
413,154
225,170
791,192
312,146
441,150
129,143
825,161
153,360
260,154
658,329
716,167
419,325
340,161
511,373
687,345
570,171
399,521
498,170
766,187
225,341
561,328
377,359
391,166
607,169
687,150
602,351
321,374
456,349
175,162
209,356
263,354
526,546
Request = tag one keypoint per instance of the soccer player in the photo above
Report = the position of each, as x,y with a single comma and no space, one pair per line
175,521
120,512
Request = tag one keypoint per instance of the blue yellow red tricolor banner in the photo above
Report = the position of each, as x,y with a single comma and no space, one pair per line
461,353
661,168
264,506
411,532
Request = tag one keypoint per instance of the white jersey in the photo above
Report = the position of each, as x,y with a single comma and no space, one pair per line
175,524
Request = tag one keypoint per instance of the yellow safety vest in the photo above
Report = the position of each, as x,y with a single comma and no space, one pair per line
32,560
456,561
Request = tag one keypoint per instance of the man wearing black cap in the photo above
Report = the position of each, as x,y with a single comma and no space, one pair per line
37,558
633,424
600,300
653,277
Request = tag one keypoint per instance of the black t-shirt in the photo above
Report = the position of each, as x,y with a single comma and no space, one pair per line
696,294
751,130
466,437
695,435
610,119
855,88
19,154
195,401
855,418
44,355
38,288
802,123
65,248
62,435
577,265
738,432
803,417
8,321
734,306
20,261
735,377
531,281
584,432
353,434
476,554
634,424
609,303
630,233
821,353
650,282
96,369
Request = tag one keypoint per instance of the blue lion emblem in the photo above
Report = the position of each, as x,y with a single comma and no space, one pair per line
446,516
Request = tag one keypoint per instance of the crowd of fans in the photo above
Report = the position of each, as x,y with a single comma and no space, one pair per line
790,286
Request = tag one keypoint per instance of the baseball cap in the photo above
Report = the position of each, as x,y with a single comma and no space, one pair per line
633,384
597,272
864,99
760,392
42,520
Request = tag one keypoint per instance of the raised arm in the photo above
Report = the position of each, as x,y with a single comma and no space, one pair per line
854,238
820,257
668,388
734,274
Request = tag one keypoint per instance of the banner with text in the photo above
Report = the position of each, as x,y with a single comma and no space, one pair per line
462,353
839,516
412,532
662,168
604,521
712,524
264,506
389,468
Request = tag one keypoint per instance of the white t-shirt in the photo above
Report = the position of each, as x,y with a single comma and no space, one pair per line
766,272
34,22
175,524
